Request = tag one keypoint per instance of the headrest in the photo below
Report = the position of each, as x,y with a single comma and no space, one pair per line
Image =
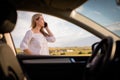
8,16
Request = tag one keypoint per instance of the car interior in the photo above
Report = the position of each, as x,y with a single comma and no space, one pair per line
102,64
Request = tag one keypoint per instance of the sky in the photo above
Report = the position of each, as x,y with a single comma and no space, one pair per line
104,12
68,34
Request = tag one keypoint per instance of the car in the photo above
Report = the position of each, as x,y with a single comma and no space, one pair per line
99,19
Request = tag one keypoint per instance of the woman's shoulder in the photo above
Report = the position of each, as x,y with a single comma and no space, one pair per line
29,32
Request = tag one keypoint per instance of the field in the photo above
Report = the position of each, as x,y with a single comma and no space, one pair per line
67,51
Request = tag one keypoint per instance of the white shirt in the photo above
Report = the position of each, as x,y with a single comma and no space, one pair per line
36,43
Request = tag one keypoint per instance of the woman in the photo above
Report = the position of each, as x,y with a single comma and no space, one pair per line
35,40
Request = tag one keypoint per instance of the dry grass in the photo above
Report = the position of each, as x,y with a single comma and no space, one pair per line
67,51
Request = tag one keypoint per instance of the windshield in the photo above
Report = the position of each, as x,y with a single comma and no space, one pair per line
103,12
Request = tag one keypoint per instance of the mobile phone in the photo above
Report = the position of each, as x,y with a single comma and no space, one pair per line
45,24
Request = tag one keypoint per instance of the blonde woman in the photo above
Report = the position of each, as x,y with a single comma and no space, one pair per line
35,39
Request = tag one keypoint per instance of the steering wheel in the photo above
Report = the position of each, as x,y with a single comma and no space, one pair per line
99,59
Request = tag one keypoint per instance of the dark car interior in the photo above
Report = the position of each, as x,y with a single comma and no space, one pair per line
103,64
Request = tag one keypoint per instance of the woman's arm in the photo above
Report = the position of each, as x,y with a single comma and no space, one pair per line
49,31
27,51
50,37
25,42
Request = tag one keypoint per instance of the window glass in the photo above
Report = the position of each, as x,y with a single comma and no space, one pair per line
71,40
107,15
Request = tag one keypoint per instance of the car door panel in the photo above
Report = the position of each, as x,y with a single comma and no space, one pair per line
52,67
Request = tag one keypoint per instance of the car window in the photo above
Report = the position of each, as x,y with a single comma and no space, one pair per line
107,15
71,40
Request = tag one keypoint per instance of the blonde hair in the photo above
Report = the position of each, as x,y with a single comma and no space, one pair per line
34,17
33,23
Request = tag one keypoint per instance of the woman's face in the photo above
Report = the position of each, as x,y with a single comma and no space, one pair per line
40,21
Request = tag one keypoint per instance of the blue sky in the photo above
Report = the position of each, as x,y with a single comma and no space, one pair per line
104,12
68,34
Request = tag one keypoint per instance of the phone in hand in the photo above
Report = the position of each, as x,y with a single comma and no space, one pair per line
45,24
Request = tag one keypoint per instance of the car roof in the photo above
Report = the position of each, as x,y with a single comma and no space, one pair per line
59,8
44,5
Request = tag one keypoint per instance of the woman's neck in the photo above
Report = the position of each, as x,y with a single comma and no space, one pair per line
36,29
